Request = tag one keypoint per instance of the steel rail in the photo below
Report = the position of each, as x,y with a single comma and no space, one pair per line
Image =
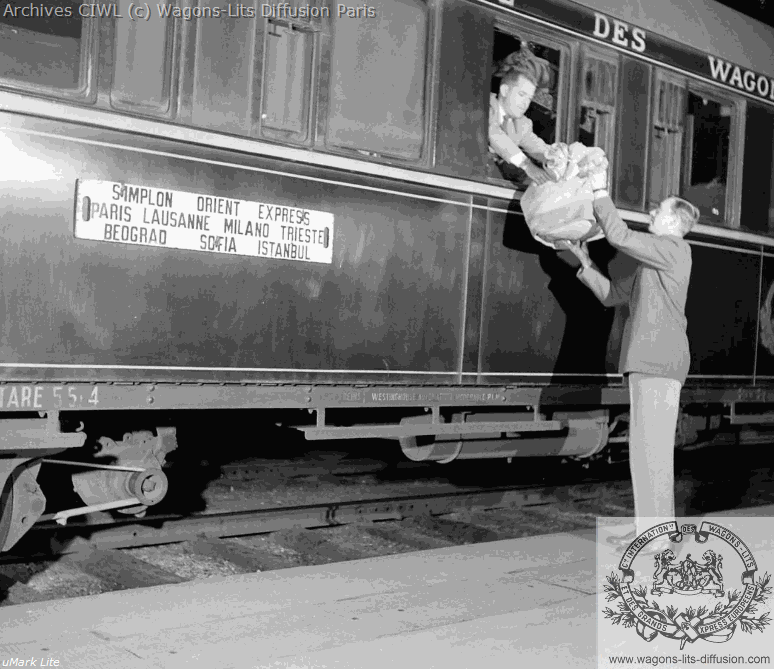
48,539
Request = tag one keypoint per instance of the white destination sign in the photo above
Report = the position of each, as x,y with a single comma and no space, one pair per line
108,211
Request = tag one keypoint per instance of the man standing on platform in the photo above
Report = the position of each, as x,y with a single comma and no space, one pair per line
654,353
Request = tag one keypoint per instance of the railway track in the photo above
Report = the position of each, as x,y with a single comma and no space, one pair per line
358,511
86,558
52,539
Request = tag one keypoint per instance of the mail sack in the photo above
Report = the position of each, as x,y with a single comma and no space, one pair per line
564,209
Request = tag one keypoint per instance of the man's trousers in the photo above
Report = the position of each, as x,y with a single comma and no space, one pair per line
654,406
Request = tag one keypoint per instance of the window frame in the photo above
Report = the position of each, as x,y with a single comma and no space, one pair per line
316,28
668,77
731,215
87,70
567,85
430,94
768,110
611,57
176,37
738,105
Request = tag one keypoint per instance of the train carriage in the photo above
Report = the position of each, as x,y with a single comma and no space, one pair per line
293,206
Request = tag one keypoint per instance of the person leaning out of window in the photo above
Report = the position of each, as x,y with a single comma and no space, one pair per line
510,131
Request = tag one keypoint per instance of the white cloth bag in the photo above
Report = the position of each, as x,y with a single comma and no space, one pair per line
564,209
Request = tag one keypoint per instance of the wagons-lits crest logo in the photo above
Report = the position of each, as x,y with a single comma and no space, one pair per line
688,577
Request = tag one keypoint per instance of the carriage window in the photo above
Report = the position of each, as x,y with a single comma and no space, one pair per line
223,92
597,103
708,135
690,147
377,94
543,110
143,63
667,140
41,49
287,80
632,134
758,169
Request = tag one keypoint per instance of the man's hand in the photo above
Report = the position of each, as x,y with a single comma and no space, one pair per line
599,181
578,249
535,173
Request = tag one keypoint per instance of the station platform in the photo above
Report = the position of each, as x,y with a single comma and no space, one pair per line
517,603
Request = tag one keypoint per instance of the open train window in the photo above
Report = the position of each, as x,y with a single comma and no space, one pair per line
543,112
758,170
45,47
708,139
377,88
694,133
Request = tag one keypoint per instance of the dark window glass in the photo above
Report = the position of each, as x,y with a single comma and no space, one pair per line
632,135
44,47
377,96
758,170
690,148
705,174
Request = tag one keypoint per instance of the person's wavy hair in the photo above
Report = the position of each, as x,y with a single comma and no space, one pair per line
523,63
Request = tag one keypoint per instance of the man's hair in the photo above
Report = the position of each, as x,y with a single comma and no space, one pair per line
525,64
687,214
514,75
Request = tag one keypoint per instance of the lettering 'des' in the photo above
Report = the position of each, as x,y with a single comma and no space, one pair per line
619,33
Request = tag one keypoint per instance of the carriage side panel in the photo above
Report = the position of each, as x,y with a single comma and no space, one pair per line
539,320
722,312
390,301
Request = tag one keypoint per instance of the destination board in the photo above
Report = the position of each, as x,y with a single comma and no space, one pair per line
109,211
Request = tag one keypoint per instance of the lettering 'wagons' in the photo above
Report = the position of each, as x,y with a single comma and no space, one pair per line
295,210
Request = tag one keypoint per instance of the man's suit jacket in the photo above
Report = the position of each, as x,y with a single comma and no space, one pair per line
655,339
508,136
